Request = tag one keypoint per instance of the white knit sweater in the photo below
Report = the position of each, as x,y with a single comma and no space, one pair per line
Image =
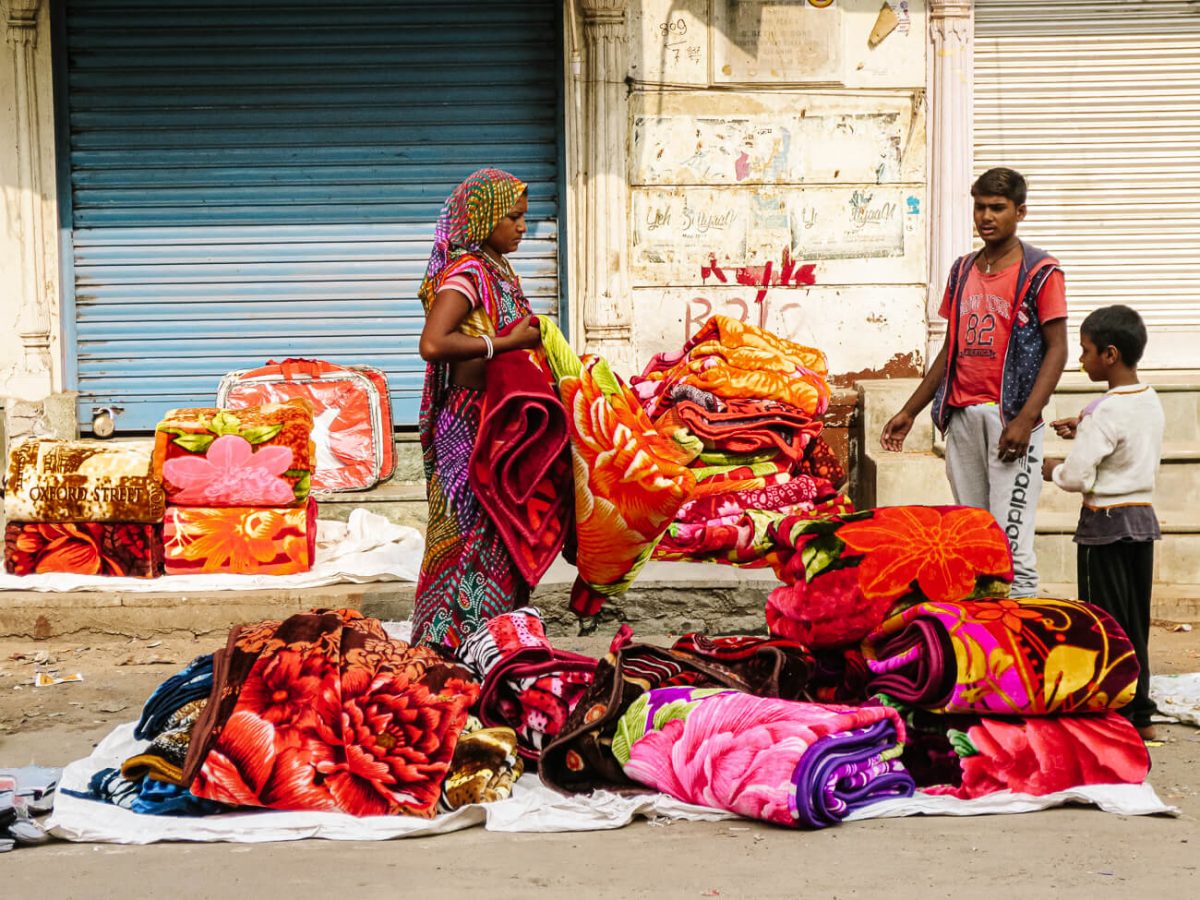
1117,448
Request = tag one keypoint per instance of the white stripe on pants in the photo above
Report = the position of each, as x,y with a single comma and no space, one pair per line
1009,491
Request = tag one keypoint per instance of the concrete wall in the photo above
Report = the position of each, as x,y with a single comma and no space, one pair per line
777,172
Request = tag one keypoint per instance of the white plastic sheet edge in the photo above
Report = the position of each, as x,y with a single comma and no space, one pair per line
1177,696
532,808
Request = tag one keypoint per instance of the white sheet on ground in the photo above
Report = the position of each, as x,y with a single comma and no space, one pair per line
1177,696
532,808
367,547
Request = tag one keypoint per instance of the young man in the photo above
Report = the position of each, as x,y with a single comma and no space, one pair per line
1118,444
1006,345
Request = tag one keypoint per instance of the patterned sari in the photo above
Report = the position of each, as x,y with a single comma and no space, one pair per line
467,575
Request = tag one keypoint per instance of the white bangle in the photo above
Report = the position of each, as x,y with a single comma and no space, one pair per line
491,349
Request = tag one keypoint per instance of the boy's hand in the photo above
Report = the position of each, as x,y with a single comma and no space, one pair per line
1065,428
1048,466
1014,440
895,431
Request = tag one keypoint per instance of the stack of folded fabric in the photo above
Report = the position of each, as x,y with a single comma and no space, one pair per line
83,507
1005,694
237,485
746,406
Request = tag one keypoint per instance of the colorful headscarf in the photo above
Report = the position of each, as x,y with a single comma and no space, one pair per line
470,214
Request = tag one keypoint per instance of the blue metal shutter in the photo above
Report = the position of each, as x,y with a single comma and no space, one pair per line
252,181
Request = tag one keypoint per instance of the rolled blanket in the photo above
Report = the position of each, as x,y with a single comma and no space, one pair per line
969,756
527,684
842,575
1028,657
129,549
629,480
243,540
82,481
324,711
796,764
257,456
521,466
193,683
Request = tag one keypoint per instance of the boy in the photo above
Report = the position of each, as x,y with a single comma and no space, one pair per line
1118,442
1005,348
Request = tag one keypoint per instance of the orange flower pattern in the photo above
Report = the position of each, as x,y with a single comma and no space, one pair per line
738,361
131,549
942,550
243,540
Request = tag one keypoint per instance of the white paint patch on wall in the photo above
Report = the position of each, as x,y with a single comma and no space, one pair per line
859,328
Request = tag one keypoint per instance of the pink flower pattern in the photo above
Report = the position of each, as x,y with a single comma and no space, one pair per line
231,473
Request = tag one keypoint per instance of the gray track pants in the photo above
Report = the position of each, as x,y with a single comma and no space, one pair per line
1009,491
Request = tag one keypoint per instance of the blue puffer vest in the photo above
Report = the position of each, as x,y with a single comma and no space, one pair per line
1026,346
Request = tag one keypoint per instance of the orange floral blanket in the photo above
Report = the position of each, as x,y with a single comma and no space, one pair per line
738,361
630,481
242,540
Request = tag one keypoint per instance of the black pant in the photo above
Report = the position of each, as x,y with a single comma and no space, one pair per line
1118,578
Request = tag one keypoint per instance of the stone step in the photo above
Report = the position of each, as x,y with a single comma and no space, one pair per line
668,599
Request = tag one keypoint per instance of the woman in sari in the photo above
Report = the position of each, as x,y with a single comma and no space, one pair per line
470,292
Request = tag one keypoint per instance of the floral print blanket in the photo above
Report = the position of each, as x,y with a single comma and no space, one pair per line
257,456
1028,657
242,540
324,711
132,549
844,574
789,763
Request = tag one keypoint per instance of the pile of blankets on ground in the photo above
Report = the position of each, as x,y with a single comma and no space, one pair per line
325,712
218,491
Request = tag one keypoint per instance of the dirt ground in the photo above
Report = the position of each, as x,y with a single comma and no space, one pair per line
1065,853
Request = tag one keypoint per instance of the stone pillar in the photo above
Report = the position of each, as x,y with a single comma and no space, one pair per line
607,328
32,376
951,149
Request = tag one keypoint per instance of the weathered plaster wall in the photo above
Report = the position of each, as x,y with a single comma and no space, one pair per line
777,171
22,284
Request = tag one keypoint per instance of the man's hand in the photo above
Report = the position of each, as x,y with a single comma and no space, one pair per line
895,431
1065,428
1014,440
1048,466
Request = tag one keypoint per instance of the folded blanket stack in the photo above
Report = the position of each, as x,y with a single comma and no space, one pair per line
237,484
746,407
83,507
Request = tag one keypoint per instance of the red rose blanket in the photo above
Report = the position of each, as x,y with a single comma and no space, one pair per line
521,465
131,549
842,575
257,456
629,480
970,756
244,540
325,712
